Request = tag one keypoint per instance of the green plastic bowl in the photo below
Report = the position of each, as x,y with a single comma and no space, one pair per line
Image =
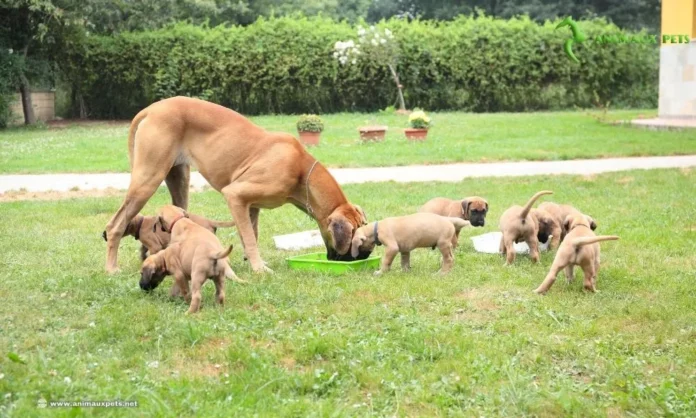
318,262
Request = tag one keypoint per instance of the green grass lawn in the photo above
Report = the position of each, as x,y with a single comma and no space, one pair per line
477,342
455,137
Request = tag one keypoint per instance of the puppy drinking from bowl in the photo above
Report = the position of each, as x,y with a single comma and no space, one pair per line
403,234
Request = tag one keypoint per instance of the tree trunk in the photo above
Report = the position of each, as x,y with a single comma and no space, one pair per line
27,107
402,104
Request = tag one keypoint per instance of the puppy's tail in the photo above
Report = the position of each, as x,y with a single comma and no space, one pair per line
579,242
220,224
530,203
458,223
223,253
131,134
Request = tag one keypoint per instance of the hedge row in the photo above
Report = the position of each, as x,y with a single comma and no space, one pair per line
285,65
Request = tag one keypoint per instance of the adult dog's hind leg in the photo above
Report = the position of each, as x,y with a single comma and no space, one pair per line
178,184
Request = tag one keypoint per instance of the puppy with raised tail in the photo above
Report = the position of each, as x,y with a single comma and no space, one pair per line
193,255
518,224
579,248
403,234
472,209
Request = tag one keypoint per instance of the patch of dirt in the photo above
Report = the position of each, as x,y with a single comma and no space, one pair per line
685,171
16,196
625,180
65,123
288,363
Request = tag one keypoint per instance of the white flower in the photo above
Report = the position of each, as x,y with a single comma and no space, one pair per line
67,380
335,54
361,31
374,42
153,364
383,41
354,61
10,50
387,32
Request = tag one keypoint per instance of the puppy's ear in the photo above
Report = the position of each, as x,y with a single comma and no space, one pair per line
341,233
566,223
593,224
146,273
358,240
160,221
465,208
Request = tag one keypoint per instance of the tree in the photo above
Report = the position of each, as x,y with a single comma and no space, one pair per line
29,28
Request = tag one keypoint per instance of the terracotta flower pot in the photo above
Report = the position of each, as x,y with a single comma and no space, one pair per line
373,133
309,138
415,134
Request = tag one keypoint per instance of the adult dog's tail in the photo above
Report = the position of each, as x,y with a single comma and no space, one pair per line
131,134
530,203
458,223
579,242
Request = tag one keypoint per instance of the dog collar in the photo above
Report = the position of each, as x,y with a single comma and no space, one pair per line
171,227
578,226
137,229
377,242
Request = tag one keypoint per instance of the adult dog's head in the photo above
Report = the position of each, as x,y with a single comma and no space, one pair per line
474,210
153,271
340,228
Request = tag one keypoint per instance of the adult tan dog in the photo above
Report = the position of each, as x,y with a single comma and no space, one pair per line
472,209
193,255
579,248
403,234
517,225
153,239
558,214
251,167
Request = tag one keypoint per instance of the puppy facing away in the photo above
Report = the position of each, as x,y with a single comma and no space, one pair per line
194,254
405,233
517,225
548,227
472,209
559,213
579,248
154,239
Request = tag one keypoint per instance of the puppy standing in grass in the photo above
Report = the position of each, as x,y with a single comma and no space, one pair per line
517,225
194,254
579,248
472,209
404,233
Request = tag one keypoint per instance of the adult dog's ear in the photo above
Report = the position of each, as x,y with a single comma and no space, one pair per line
465,208
358,240
363,215
186,215
486,202
341,232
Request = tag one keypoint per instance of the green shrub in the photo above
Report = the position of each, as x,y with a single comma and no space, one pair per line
310,123
286,65
9,76
419,120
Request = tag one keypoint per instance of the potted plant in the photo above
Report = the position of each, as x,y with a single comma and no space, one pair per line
372,133
420,123
309,127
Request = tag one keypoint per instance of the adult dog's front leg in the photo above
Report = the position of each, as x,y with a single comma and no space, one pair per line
240,213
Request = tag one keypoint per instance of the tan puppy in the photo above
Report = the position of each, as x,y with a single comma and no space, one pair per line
153,239
404,233
251,167
472,209
517,225
558,214
579,248
194,254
